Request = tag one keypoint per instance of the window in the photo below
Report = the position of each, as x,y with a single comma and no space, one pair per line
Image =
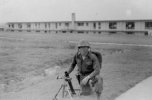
59,24
86,24
38,25
28,25
130,25
67,24
19,25
12,25
49,25
80,24
94,25
45,25
112,25
56,25
99,25
148,25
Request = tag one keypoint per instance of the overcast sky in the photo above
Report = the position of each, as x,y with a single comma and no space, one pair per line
60,10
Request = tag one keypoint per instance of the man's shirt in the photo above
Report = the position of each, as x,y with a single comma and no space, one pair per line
87,66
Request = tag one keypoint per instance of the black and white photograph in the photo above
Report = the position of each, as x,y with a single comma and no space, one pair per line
75,50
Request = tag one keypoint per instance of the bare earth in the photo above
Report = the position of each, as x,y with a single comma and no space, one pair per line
25,56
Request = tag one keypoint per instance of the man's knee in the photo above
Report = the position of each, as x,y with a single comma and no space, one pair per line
100,79
99,85
95,85
85,89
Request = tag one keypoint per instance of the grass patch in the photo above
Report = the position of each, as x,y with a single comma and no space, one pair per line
69,45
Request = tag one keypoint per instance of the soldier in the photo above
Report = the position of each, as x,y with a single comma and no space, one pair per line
88,70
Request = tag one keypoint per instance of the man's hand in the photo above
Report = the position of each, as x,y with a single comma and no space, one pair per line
85,80
63,76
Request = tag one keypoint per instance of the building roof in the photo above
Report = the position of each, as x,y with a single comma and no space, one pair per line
41,22
130,20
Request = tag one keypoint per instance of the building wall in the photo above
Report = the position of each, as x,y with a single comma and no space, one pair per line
121,26
79,26
139,26
105,25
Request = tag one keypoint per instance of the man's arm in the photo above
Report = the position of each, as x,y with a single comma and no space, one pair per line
72,66
96,66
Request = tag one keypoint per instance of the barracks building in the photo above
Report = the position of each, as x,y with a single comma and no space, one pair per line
95,26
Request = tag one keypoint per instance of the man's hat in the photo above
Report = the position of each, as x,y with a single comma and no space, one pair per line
84,43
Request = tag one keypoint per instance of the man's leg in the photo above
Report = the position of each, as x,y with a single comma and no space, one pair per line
85,89
97,85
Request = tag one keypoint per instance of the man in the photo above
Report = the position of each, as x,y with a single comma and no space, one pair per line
88,70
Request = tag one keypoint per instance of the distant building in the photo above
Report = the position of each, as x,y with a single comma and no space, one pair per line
96,26
1,29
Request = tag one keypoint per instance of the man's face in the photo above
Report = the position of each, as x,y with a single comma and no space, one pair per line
83,50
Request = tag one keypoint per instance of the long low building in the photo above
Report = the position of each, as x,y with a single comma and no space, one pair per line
98,26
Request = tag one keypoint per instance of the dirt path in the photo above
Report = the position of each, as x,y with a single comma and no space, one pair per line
44,90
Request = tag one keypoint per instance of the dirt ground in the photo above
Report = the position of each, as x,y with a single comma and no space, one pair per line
25,56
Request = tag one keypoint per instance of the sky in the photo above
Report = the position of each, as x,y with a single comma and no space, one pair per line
60,10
